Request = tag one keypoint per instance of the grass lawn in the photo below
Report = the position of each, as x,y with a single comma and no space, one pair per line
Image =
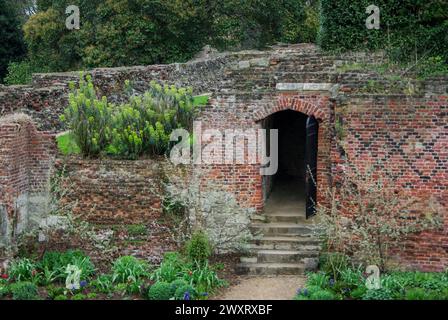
67,145
200,100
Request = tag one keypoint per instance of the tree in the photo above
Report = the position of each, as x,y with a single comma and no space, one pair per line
11,38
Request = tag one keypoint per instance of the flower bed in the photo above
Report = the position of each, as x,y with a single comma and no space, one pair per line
54,277
352,284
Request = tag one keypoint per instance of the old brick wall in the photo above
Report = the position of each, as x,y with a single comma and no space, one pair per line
26,157
408,136
112,192
46,97
404,123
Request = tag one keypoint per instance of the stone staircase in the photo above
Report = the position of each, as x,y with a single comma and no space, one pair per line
284,243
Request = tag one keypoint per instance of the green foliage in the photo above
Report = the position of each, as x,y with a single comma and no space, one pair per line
135,230
79,296
182,291
24,270
400,285
160,291
170,268
318,279
408,29
88,118
200,100
24,291
11,37
432,66
313,292
379,294
67,144
21,72
358,293
141,126
4,290
332,263
198,248
103,283
129,269
178,272
203,278
178,283
54,291
142,32
54,261
60,297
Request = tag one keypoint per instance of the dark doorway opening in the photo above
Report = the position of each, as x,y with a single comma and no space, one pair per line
286,190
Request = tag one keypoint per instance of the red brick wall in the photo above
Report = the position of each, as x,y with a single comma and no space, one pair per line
114,191
235,112
409,136
25,161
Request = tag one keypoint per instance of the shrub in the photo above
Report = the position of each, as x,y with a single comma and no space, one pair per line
178,283
19,73
198,248
88,118
170,268
144,125
23,270
129,269
381,216
333,263
185,292
60,297
24,291
160,291
54,261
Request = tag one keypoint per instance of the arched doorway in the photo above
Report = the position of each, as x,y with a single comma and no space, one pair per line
292,189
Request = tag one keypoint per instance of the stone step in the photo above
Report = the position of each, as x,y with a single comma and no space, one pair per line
282,228
310,246
285,256
270,268
291,217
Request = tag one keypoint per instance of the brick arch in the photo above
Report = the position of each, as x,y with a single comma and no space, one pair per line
296,104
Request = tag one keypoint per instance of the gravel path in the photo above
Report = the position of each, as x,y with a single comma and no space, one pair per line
263,288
